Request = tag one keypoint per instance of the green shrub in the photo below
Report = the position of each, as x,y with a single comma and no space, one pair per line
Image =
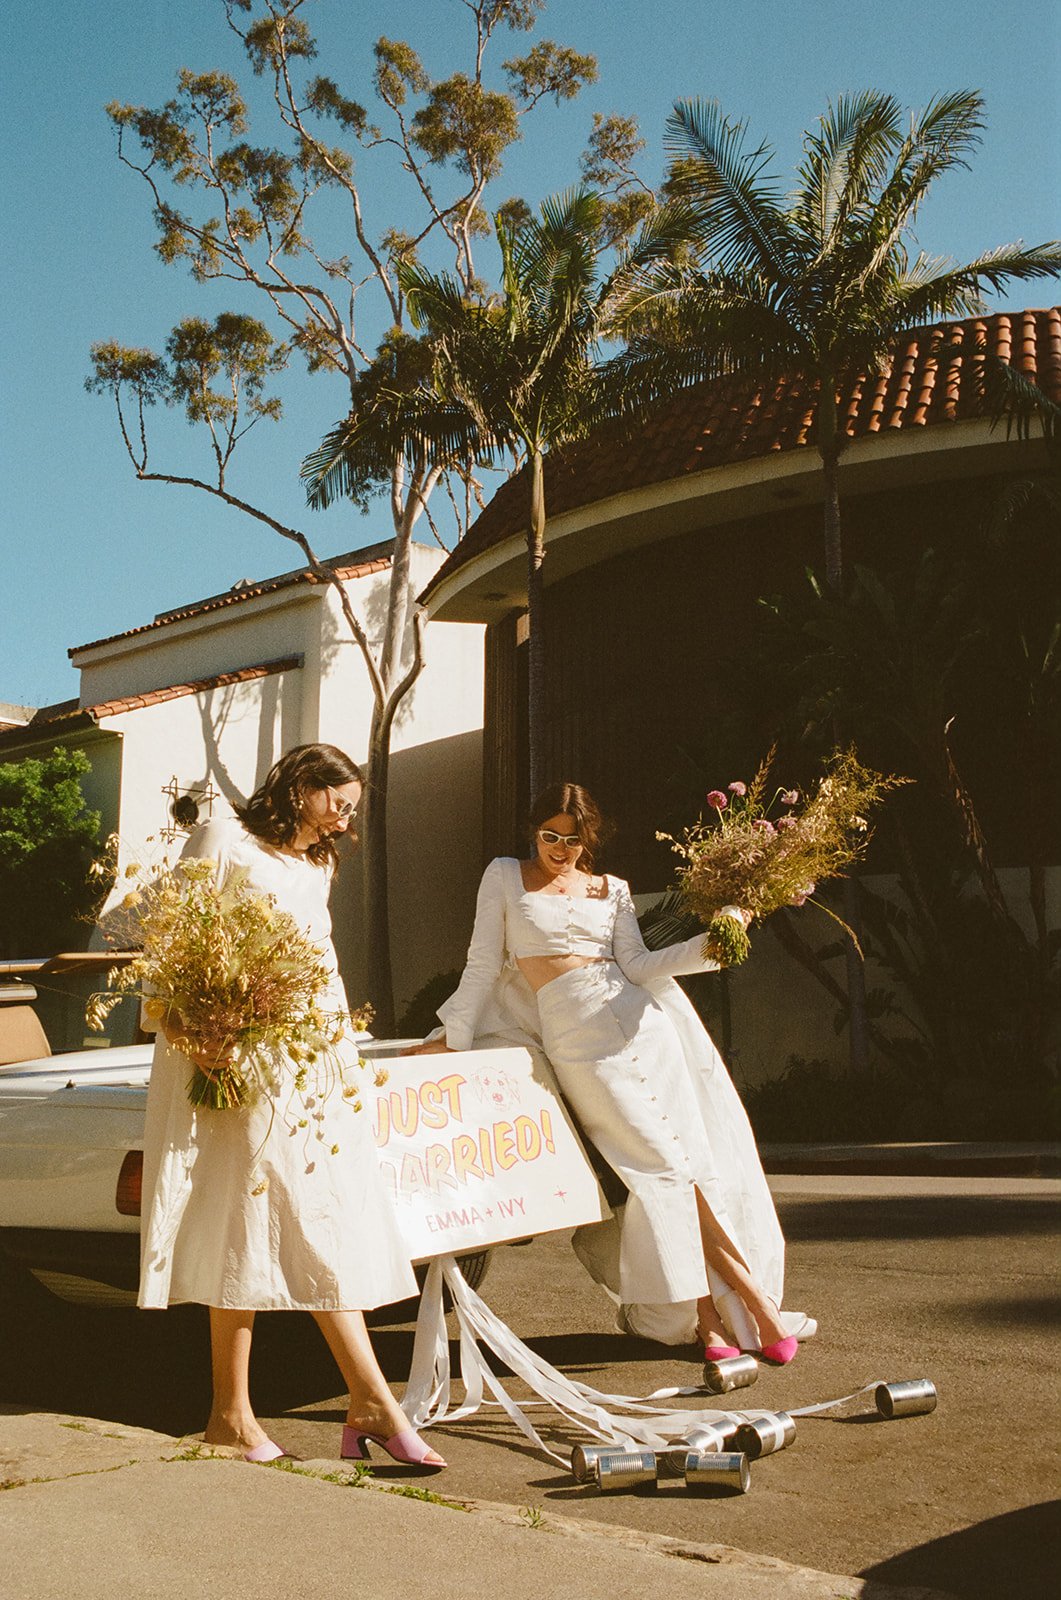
48,841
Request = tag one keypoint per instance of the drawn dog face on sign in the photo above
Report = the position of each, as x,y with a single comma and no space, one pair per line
495,1089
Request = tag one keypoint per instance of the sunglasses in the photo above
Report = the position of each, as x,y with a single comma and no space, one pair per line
345,810
570,841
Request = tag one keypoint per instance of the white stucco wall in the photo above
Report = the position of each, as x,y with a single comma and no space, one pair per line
224,738
435,799
227,737
263,628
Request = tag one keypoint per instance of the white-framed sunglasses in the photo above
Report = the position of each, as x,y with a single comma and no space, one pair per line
345,810
570,841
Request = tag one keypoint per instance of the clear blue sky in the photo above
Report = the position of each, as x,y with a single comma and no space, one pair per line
88,551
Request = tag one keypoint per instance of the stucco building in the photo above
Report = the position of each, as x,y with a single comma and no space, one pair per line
659,552
183,715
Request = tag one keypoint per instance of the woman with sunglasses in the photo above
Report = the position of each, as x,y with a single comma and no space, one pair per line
250,1209
557,960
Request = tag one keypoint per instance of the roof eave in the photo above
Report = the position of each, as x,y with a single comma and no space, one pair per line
492,582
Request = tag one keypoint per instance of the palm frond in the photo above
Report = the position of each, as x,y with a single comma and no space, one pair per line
846,161
933,289
362,451
740,221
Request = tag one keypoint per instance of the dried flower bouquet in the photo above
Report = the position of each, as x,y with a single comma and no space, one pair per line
745,857
237,983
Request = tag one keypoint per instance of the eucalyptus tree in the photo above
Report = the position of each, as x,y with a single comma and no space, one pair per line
261,216
517,373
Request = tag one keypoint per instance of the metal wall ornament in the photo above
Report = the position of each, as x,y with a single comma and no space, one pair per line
188,804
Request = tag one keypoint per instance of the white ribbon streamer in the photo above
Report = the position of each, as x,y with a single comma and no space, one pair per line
428,1396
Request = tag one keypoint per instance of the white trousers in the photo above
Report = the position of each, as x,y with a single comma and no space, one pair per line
620,1064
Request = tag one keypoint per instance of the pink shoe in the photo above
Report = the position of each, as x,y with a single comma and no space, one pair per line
779,1354
720,1352
266,1451
405,1446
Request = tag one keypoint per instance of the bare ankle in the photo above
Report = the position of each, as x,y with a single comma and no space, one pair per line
233,1427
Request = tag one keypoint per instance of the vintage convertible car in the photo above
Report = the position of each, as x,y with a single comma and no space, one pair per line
71,1150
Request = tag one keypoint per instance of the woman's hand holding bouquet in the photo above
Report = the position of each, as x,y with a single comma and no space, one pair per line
233,983
761,852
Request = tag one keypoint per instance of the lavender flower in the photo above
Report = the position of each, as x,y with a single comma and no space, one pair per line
737,788
790,797
763,825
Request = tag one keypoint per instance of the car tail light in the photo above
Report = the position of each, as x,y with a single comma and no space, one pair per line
127,1195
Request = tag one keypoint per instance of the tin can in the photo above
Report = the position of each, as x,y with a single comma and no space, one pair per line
733,1372
625,1469
584,1458
701,1441
717,1472
766,1435
914,1398
710,1435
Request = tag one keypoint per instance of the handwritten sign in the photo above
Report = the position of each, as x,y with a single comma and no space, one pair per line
476,1151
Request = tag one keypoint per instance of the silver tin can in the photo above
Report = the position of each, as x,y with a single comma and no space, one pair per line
911,1399
733,1372
701,1441
625,1469
718,1472
710,1435
766,1435
584,1458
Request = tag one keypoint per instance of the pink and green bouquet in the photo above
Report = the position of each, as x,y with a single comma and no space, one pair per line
761,848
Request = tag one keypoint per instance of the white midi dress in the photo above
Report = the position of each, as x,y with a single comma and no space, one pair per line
641,1074
249,1209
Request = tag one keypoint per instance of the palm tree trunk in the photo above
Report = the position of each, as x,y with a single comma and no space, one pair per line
535,624
830,445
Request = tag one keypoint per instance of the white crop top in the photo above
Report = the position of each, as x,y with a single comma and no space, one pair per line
511,922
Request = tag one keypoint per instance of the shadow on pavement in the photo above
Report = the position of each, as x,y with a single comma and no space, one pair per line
1012,1557
151,1369
1018,1311
916,1217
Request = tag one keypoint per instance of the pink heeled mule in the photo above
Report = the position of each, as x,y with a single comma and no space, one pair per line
720,1352
266,1451
406,1447
779,1354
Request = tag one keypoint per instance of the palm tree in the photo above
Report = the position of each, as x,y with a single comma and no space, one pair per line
818,283
514,374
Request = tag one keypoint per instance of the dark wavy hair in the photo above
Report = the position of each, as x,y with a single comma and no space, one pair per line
570,799
274,810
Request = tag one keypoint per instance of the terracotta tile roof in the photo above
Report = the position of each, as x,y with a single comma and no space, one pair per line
70,713
355,564
174,691
735,419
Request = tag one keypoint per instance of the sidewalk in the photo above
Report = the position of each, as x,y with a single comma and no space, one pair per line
98,1509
